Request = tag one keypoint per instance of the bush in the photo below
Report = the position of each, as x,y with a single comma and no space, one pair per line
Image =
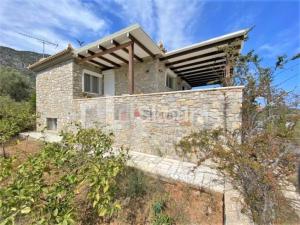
14,118
160,218
19,113
136,184
82,165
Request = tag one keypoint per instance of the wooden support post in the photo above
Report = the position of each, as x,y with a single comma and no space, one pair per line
130,69
227,70
227,80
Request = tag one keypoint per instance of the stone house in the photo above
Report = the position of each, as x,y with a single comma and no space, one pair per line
129,84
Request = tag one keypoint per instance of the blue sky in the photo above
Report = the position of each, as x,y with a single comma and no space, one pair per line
175,22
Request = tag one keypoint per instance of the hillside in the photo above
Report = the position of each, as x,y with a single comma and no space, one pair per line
18,60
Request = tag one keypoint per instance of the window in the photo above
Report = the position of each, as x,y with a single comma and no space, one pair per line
170,81
91,82
51,123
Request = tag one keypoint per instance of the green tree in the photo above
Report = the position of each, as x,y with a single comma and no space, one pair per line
14,84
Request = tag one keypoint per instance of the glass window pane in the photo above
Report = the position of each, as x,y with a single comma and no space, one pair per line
51,123
87,83
173,82
95,83
168,81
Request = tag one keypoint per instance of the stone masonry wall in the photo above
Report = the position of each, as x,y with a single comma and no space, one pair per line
77,78
54,95
154,123
149,77
61,83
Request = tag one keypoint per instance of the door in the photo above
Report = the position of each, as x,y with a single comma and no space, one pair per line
109,82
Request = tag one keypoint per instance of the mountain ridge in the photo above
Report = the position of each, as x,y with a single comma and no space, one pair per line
19,60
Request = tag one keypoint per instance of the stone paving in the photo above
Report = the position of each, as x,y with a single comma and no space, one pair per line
49,137
185,172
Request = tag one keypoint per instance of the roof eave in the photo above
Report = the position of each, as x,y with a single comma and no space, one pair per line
210,41
63,55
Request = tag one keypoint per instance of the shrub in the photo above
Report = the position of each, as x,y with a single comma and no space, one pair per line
84,163
160,218
136,184
14,118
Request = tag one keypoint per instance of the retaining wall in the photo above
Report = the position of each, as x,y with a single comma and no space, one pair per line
154,123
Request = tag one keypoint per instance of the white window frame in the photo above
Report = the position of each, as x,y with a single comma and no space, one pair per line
173,75
92,73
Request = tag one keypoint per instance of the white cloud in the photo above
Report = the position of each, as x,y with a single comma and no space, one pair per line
56,21
175,21
138,11
65,21
281,43
168,21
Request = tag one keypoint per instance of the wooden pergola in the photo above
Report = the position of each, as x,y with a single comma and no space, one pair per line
124,47
199,64
205,62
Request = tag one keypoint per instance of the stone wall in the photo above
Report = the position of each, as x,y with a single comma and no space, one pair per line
149,77
58,85
54,95
154,123
77,79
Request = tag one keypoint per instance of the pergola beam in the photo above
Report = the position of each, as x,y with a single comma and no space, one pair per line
103,66
194,58
208,77
132,38
215,70
104,59
200,74
205,83
201,67
197,63
115,43
193,84
200,48
205,78
107,51
114,54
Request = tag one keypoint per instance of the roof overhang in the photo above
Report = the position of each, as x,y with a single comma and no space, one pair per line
198,64
205,62
111,51
61,56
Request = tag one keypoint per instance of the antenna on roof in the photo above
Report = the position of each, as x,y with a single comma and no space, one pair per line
44,42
